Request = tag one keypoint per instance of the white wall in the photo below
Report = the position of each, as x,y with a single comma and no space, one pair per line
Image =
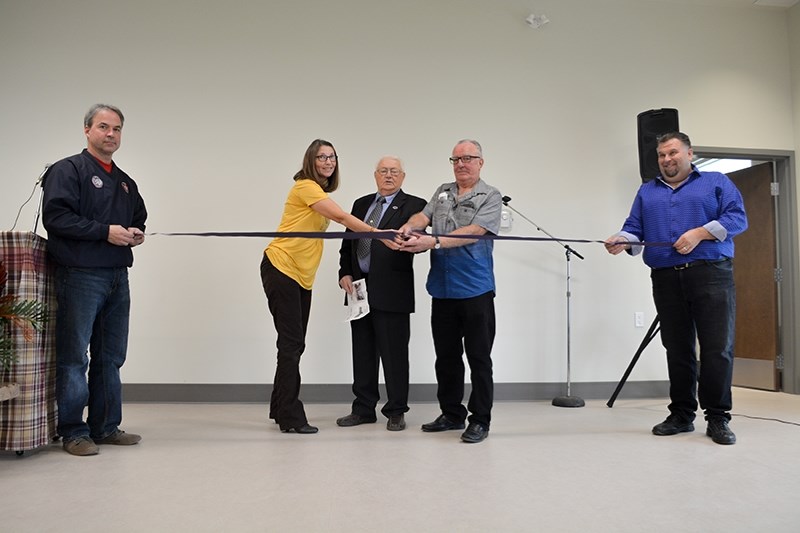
792,382
222,98
793,23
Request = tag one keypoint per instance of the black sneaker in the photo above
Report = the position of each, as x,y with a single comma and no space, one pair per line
672,426
354,420
719,431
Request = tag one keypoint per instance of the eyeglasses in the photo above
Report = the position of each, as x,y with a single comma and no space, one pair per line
322,158
464,159
389,171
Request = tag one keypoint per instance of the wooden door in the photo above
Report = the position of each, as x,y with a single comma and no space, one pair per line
757,342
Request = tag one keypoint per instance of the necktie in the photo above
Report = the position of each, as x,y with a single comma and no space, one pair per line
374,216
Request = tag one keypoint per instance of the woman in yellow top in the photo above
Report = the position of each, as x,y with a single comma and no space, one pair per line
287,273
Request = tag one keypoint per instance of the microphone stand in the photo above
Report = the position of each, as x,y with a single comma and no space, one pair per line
569,400
40,181
649,336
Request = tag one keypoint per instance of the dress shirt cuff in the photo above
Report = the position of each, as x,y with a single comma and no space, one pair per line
631,238
717,230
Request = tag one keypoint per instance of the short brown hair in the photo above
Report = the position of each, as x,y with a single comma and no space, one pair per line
88,119
682,137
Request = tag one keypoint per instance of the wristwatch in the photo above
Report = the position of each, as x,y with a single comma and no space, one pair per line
438,243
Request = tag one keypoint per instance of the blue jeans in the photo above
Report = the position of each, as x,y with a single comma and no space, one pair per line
697,304
93,312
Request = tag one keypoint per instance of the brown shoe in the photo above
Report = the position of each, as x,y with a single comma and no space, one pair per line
81,446
120,438
396,423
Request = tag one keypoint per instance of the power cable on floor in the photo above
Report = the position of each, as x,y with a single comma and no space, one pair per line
768,419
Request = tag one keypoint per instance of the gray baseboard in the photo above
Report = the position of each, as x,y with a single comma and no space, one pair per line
341,393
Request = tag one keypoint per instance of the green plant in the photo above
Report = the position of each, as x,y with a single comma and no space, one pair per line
28,315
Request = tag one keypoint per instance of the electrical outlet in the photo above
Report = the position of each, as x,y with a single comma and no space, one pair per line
638,319
506,219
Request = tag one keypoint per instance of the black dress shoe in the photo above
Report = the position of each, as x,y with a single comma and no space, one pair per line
442,423
475,433
305,429
672,426
354,420
719,431
396,423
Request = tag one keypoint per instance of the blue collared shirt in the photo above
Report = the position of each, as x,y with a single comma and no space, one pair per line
465,271
662,214
363,262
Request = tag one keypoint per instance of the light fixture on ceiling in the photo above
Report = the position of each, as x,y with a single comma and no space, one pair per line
536,21
775,3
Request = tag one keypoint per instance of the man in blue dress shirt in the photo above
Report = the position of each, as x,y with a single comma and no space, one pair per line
698,213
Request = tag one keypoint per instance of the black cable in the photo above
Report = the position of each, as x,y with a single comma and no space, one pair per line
23,205
768,419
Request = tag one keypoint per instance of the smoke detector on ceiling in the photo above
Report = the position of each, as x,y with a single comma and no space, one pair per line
536,21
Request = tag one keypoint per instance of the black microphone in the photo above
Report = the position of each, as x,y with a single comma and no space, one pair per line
506,199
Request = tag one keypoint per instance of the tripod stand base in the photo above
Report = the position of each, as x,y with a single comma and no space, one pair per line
568,401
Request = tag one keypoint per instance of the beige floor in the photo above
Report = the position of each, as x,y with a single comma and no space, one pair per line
222,467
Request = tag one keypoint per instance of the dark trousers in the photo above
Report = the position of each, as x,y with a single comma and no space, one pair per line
697,303
380,337
290,305
458,326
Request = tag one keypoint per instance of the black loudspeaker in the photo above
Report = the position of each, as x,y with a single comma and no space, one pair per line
651,124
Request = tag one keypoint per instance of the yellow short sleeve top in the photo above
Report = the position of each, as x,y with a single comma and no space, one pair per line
299,258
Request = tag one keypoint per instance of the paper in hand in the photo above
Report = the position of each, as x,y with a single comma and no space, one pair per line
357,300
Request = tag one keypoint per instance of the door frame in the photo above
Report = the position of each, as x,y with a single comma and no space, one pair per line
788,259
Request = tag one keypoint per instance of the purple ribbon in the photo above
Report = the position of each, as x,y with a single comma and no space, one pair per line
352,235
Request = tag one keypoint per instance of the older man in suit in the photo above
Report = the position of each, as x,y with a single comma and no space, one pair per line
382,335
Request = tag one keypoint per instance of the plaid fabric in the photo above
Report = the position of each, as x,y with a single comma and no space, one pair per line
29,420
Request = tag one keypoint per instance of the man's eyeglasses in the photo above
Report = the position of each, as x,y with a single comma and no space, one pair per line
323,158
464,159
389,171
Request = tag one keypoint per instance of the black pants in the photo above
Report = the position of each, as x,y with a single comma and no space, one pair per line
458,326
380,337
698,303
290,305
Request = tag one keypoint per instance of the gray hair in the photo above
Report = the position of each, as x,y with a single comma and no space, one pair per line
393,157
473,142
88,119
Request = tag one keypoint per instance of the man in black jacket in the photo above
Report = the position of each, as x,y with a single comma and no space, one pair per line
93,215
382,336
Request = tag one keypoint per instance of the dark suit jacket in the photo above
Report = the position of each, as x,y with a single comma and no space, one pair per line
390,286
